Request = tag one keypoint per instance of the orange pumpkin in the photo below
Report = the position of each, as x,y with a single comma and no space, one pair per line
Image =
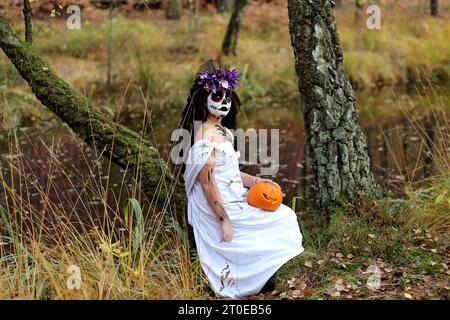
265,195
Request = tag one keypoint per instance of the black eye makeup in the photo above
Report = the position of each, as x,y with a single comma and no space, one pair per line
219,95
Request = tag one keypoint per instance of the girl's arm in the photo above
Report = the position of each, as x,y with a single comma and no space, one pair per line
248,180
212,195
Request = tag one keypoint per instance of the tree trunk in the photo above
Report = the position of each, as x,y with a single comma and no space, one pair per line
359,6
336,146
174,8
125,147
225,5
109,55
434,6
220,5
27,19
197,16
231,37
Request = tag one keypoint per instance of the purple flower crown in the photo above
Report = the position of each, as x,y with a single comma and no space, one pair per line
219,79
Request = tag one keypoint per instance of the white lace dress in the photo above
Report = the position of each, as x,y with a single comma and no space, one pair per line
262,241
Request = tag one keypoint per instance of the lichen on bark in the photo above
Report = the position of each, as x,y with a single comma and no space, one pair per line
336,146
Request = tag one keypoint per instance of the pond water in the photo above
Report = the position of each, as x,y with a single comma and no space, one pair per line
48,157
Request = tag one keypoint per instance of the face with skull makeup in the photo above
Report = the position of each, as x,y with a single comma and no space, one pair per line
219,103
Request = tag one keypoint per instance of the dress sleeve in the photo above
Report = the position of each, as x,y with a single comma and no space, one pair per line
198,154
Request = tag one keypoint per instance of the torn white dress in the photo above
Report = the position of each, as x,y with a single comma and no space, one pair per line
262,241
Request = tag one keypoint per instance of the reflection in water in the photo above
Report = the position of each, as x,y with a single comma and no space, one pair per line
73,180
58,175
398,156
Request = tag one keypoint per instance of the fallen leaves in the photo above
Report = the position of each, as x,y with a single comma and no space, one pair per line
298,287
408,296
343,274
340,288
297,294
332,292
296,283
320,262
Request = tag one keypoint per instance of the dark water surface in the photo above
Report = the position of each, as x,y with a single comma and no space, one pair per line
52,159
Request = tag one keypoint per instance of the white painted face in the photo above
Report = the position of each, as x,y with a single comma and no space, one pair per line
219,103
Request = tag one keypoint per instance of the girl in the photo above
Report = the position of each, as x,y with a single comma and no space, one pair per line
239,246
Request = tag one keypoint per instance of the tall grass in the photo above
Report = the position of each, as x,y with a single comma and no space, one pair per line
431,197
55,217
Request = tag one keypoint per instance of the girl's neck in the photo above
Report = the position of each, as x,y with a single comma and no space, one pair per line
214,119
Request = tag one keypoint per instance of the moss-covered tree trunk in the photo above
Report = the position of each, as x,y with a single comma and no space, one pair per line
434,6
231,37
125,147
336,146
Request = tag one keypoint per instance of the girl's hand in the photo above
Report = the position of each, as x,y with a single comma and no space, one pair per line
258,179
227,232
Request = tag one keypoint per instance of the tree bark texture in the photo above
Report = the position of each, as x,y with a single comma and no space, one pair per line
336,146
27,19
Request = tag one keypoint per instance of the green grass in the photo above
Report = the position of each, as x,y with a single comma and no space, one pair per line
363,233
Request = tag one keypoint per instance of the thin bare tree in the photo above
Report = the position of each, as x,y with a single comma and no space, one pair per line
234,25
27,19
434,7
174,8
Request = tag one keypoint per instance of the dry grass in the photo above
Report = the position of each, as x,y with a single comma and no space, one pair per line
54,216
431,197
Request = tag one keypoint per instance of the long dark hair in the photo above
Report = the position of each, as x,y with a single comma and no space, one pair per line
196,109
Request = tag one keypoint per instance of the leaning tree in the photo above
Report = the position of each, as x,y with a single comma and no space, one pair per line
336,146
120,144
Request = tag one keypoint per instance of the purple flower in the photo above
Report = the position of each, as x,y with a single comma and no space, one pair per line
219,79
